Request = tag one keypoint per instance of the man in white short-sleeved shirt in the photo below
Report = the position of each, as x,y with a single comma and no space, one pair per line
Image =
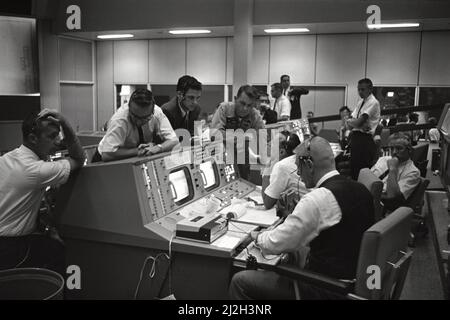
135,128
283,175
25,174
364,121
399,174
282,105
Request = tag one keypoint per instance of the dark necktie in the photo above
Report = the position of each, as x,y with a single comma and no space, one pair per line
384,174
141,135
360,108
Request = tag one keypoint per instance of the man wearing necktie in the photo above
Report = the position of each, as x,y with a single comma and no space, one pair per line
133,128
294,95
184,109
364,121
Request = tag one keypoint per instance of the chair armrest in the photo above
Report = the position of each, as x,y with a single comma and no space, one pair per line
315,279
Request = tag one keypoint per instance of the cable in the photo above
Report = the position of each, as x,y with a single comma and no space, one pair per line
25,258
152,269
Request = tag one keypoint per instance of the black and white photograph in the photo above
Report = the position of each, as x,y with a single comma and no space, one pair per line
206,153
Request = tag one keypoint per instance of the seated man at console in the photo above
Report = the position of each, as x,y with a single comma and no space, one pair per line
284,172
136,129
399,174
330,219
25,173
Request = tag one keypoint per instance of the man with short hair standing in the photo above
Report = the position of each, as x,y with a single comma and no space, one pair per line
364,121
282,105
25,174
184,109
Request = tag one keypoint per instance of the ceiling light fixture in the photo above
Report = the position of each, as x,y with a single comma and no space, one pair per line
286,30
115,36
189,31
392,25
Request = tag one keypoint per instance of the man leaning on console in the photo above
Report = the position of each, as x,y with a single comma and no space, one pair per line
330,218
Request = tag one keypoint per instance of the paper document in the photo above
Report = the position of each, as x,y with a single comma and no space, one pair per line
227,242
262,217
235,226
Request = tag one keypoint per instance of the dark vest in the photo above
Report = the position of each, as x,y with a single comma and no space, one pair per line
335,251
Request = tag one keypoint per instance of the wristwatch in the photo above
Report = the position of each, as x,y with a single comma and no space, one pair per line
160,147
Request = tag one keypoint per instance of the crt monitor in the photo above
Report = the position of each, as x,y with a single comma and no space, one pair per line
181,185
210,176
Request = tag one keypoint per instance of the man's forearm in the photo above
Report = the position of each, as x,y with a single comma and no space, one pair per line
74,147
392,187
121,153
168,145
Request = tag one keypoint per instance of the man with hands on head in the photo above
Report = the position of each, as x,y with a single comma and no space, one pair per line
25,174
134,129
399,174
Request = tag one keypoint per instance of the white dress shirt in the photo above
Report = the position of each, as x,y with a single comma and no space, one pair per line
282,106
284,176
123,134
286,91
408,175
371,107
316,211
23,180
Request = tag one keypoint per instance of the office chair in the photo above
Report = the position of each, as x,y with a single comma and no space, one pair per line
384,245
375,186
419,157
416,202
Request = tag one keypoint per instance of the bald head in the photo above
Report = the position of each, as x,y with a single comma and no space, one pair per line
321,162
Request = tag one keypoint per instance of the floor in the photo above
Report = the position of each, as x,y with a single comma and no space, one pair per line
423,280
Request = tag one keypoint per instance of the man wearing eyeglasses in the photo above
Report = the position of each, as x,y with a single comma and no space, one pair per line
331,220
136,130
25,174
184,109
399,174
364,121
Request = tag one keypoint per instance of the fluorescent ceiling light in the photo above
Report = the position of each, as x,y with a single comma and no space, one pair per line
392,25
189,31
115,36
286,30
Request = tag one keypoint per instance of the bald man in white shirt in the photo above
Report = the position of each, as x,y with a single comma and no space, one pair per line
330,219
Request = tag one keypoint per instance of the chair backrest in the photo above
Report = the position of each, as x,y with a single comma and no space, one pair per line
416,199
383,256
420,153
330,135
375,186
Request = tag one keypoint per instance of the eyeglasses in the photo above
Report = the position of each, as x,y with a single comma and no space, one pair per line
397,148
143,118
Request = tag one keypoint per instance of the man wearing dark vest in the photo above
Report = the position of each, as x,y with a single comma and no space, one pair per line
331,219
184,109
